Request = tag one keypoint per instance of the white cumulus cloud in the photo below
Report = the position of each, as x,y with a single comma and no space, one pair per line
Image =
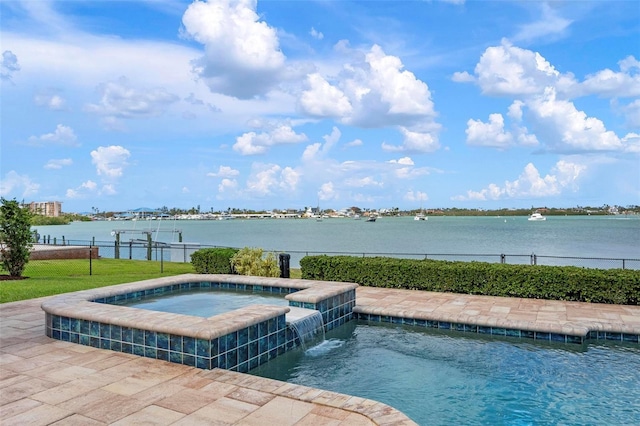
16,185
62,136
242,54
110,161
253,143
119,100
564,176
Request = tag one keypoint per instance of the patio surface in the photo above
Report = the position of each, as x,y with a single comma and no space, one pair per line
45,381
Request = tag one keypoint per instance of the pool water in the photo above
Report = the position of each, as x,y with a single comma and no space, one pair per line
197,302
444,378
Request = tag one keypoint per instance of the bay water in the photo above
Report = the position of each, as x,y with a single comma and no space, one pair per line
439,237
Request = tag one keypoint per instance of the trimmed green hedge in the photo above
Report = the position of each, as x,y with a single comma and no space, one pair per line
570,283
213,260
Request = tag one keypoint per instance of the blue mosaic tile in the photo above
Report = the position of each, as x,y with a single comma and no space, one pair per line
64,335
162,355
555,337
444,325
512,333
189,345
528,334
262,329
175,357
203,348
263,345
105,331
272,325
542,336
105,343
74,325
175,343
127,348
94,330
232,358
150,338
55,334
613,336
232,340
85,340
127,335
253,332
396,320
138,337
115,345
272,341
631,338
253,363
203,363
138,350
243,354
498,331
150,352
253,349
115,332
74,337
484,329
94,342
189,360
162,341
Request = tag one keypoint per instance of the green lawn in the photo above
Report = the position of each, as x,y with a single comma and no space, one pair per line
49,277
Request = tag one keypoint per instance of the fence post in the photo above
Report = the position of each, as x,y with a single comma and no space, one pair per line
534,259
116,253
90,260
130,249
161,260
148,245
623,263
503,258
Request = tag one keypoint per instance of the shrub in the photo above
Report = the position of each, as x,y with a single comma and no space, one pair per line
213,260
16,239
252,261
570,283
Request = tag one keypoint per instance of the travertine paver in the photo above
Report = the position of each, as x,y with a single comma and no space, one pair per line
574,318
44,381
49,382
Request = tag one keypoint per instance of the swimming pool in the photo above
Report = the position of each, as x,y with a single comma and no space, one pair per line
445,377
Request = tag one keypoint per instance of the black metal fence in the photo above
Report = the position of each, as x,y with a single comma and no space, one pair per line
181,252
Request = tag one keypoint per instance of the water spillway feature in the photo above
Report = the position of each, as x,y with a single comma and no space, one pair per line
307,325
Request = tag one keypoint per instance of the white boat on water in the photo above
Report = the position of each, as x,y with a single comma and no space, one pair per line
536,217
420,216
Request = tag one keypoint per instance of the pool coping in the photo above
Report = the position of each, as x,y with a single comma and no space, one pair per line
80,304
538,319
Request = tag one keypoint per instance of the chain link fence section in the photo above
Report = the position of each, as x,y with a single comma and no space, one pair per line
181,252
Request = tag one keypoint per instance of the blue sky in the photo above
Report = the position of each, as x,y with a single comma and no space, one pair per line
287,104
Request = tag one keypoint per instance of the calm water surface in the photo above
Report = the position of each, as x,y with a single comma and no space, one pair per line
441,378
579,236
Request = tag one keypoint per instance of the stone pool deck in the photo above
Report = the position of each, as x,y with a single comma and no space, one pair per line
45,381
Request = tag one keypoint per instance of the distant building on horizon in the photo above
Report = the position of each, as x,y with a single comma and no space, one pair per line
46,208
